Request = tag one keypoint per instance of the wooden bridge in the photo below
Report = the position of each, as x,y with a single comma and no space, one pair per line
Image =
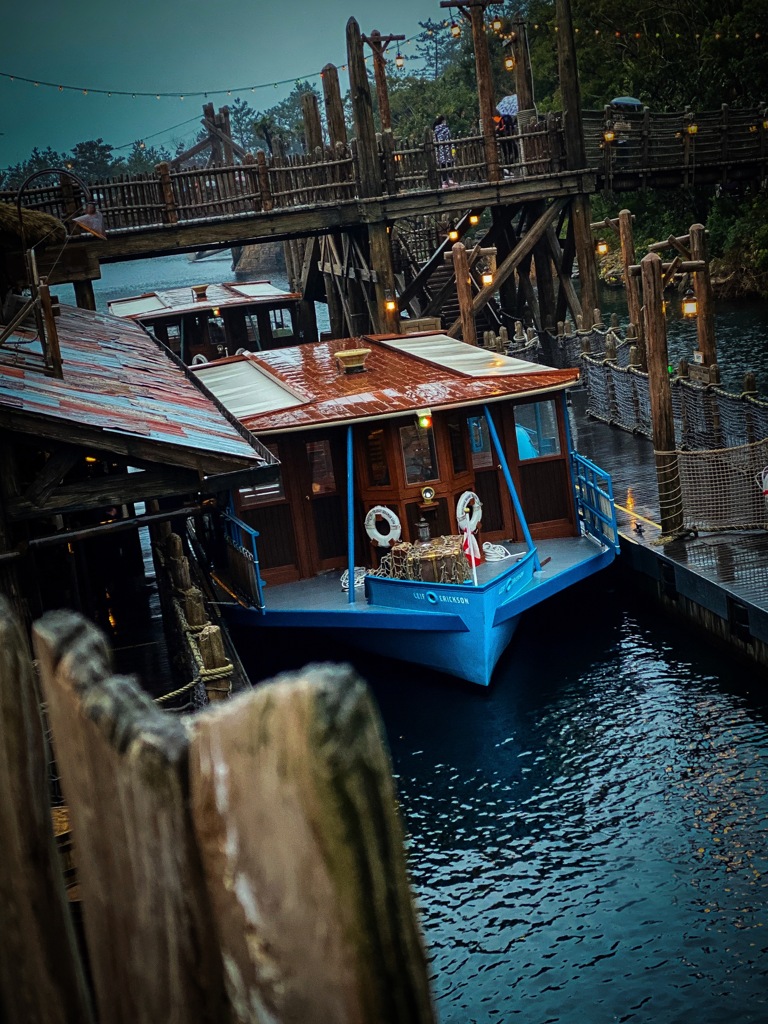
343,205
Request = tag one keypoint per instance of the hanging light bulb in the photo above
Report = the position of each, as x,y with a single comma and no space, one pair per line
399,60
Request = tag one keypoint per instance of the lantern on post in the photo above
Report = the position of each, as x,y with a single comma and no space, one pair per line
487,278
601,247
690,305
496,24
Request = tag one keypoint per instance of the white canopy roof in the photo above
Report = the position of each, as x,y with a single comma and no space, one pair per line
245,389
455,355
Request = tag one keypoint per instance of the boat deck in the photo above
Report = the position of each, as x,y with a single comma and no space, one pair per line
324,592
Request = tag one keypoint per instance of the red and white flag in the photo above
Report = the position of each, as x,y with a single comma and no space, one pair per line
471,549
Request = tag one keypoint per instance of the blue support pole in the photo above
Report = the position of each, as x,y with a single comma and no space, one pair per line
510,485
350,516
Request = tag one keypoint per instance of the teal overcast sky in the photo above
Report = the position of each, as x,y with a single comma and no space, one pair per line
179,47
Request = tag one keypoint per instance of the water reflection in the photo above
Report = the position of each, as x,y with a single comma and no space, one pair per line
587,838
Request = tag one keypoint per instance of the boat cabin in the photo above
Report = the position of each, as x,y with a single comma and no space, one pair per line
420,413
210,321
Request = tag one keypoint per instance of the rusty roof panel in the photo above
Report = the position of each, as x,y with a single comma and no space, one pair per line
118,379
393,382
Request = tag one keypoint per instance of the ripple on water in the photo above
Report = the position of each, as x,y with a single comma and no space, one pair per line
594,848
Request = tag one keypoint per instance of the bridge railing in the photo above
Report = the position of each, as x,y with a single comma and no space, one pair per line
642,144
632,142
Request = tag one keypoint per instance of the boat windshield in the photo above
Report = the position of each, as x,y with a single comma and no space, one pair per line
536,429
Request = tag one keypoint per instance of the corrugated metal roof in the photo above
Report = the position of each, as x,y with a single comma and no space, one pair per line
393,382
119,380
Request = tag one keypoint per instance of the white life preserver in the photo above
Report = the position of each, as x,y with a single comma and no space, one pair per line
383,540
469,511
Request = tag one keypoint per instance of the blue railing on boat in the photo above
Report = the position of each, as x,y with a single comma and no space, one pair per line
594,501
243,560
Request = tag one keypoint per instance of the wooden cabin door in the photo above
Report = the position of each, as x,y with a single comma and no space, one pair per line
318,482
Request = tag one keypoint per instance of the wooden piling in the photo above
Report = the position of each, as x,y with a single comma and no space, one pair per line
631,283
662,419
464,293
485,90
170,213
702,286
334,107
295,810
41,977
362,110
313,129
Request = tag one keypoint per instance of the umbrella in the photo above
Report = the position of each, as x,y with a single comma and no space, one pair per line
626,103
507,106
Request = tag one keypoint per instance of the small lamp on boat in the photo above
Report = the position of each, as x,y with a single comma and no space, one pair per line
602,247
422,530
428,495
424,417
690,305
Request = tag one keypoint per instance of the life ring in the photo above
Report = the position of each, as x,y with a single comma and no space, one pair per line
469,511
383,540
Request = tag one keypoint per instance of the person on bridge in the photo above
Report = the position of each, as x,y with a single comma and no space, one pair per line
442,135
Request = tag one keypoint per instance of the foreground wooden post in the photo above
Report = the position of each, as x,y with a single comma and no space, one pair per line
170,214
662,419
41,978
295,811
362,110
464,293
122,761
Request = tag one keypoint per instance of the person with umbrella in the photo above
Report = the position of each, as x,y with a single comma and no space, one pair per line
506,127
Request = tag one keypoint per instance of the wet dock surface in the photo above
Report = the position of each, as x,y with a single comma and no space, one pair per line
735,562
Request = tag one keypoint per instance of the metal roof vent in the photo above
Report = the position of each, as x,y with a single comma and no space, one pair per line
199,291
352,360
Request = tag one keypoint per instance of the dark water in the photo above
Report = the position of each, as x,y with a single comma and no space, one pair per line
587,838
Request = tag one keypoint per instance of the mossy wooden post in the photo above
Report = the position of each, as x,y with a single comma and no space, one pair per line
631,282
265,190
334,107
575,158
702,286
295,812
41,977
464,293
151,942
170,213
662,419
218,684
313,129
362,111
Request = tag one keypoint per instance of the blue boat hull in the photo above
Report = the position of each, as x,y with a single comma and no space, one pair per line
460,630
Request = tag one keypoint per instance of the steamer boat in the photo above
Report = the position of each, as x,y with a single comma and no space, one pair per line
428,496
208,321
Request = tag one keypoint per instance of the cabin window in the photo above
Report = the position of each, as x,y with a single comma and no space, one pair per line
376,459
419,454
479,442
536,430
322,477
281,324
262,494
458,451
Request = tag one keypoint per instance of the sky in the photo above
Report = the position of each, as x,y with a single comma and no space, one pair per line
176,46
